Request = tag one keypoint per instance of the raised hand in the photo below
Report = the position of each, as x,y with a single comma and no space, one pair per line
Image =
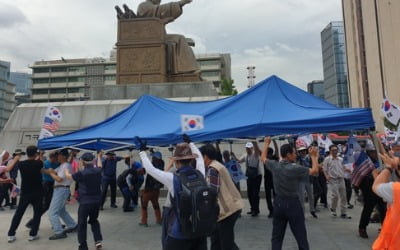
186,138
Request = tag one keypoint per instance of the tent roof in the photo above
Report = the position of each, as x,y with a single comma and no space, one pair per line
272,107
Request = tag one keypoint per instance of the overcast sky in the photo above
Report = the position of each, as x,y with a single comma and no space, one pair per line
279,37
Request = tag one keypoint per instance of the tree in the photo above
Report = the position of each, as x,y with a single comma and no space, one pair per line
228,88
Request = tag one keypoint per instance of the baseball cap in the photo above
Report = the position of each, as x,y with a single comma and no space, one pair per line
157,155
87,157
249,145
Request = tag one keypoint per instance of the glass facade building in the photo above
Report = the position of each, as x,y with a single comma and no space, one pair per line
317,89
334,64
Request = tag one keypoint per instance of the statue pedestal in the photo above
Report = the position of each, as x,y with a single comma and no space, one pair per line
142,53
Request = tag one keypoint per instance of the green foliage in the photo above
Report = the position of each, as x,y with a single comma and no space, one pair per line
228,88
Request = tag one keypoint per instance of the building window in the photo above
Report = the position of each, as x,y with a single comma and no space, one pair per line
40,80
77,69
58,79
75,90
41,70
109,78
76,79
210,73
209,62
59,69
40,91
110,67
58,91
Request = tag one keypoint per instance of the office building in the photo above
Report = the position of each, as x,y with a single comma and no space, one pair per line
373,53
316,88
71,79
7,93
334,64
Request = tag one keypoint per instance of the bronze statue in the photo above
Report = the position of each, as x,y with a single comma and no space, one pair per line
179,64
182,59
166,12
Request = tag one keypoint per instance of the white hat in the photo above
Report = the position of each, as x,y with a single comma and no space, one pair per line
249,145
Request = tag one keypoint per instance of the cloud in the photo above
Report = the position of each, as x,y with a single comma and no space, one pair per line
11,16
279,37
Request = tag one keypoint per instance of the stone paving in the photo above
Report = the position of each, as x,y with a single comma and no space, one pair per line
121,231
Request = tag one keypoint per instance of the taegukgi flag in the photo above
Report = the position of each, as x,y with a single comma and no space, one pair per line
390,111
192,122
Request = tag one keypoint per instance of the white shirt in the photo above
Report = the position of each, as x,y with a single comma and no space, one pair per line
61,173
385,191
167,178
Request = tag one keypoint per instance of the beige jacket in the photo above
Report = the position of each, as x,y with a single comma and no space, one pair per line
229,199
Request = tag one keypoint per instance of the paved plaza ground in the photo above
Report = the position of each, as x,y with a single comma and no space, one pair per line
121,231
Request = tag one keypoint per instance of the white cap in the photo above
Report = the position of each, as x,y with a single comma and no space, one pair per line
249,145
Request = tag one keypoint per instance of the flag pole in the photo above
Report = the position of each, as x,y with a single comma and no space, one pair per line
377,145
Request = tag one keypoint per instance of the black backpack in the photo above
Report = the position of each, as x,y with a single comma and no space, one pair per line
195,204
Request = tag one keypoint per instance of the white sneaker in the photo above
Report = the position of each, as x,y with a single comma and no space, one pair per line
98,245
11,239
32,238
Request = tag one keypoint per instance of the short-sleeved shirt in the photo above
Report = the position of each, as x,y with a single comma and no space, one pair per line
385,191
89,180
49,165
61,173
31,177
287,177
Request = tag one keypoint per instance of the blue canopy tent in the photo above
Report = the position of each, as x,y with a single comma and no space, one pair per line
272,107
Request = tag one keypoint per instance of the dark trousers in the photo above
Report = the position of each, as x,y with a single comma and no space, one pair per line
288,210
113,185
370,201
349,190
90,211
324,189
316,189
253,193
269,190
4,195
181,244
47,188
8,193
36,201
223,238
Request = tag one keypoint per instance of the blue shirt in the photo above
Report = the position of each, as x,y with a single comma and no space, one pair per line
110,167
48,165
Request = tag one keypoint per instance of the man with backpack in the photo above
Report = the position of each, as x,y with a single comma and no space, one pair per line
189,194
229,200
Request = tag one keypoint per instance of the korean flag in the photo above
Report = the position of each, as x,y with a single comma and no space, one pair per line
192,122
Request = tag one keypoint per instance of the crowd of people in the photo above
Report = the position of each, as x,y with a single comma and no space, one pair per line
293,174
